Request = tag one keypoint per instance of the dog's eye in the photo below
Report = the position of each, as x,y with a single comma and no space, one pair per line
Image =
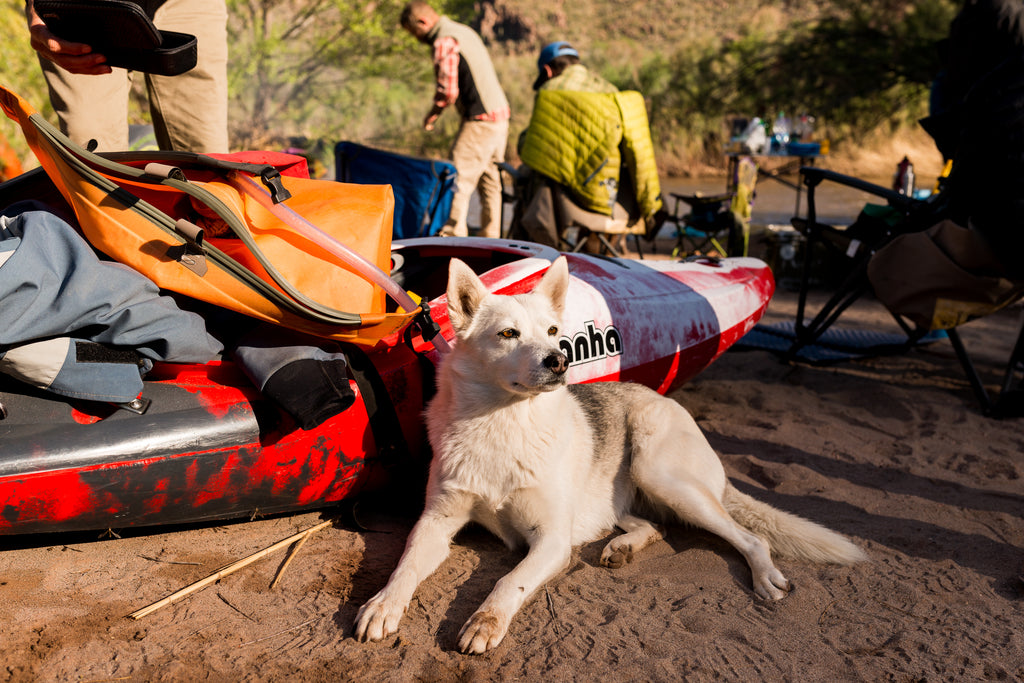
509,333
553,330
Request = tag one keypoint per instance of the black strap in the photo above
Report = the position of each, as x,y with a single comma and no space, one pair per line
392,447
269,174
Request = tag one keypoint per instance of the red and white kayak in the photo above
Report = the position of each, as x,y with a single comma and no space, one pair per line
654,322
211,448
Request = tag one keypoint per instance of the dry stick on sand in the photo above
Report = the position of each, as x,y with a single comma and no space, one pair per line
292,552
233,567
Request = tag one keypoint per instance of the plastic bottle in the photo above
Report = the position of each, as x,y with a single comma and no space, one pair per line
803,129
903,179
780,133
754,138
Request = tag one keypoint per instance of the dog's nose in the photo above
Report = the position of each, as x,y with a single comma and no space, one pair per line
557,363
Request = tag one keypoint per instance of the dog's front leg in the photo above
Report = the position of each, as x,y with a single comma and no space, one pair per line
426,549
549,553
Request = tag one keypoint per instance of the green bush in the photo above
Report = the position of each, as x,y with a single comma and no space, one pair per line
858,70
343,69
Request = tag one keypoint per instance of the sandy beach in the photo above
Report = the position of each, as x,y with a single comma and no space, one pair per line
892,452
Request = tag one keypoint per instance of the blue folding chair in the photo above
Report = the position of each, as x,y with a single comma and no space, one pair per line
423,187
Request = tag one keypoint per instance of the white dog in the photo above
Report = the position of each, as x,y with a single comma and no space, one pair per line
551,466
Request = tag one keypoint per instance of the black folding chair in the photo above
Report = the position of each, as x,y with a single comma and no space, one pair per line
720,221
858,248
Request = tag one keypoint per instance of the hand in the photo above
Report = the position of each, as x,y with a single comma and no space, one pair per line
78,58
428,121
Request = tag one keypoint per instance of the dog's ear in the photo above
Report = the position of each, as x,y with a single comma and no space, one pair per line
555,284
465,291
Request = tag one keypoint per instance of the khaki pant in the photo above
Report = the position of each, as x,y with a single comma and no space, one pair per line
478,147
189,111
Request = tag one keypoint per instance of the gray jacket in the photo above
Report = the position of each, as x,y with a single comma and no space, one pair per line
78,326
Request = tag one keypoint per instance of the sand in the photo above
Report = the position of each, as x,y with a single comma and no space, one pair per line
891,452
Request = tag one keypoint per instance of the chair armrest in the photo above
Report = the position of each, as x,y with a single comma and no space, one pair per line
505,167
813,176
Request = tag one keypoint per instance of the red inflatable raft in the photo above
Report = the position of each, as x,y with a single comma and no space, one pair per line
211,448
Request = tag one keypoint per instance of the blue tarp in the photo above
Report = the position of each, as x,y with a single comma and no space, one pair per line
423,187
835,344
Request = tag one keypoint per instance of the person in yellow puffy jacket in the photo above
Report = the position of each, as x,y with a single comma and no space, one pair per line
467,82
591,140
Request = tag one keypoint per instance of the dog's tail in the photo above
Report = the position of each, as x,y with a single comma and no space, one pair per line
788,535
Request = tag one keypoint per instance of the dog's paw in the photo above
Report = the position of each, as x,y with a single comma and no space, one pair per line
616,555
378,619
772,585
482,632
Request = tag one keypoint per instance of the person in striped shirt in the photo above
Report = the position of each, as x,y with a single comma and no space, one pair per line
467,81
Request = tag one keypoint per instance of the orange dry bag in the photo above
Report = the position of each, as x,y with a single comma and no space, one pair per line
193,225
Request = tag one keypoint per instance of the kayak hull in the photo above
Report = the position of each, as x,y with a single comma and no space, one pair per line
209,447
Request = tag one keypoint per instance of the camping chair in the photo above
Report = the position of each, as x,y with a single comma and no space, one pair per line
423,188
859,245
544,212
716,217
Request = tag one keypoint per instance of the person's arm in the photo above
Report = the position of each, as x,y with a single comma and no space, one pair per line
446,67
78,58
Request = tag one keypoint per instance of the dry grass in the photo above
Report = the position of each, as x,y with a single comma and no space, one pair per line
879,154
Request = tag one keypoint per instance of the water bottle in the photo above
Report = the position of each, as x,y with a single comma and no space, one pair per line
903,179
803,129
780,133
754,138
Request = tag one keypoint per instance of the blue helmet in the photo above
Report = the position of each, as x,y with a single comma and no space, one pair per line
552,50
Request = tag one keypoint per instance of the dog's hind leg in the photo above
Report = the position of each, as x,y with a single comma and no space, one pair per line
639,533
696,504
427,547
676,468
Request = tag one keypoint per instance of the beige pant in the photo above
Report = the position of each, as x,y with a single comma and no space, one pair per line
478,147
189,111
